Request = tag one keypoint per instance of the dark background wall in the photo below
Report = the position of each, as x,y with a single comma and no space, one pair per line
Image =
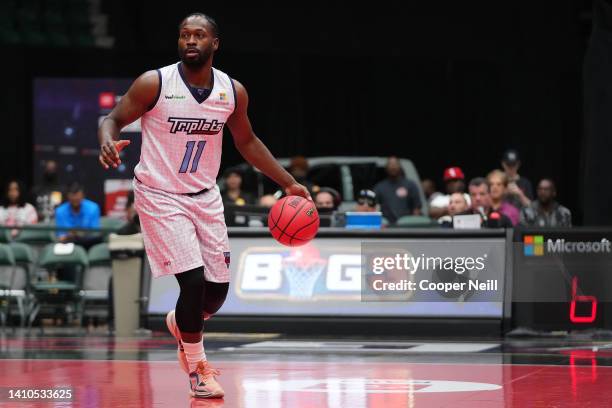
443,83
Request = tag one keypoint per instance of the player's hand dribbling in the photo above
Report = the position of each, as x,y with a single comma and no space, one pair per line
109,153
298,190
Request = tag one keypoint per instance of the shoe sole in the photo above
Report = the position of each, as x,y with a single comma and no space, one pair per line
206,396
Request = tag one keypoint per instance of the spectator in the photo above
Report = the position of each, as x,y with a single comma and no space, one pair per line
545,211
327,199
267,200
520,189
481,204
78,212
298,167
455,183
498,188
48,194
397,195
430,190
456,205
15,212
366,201
132,226
232,193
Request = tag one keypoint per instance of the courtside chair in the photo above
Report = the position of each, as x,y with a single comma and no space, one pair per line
7,276
37,237
110,223
415,221
60,294
5,236
24,262
97,277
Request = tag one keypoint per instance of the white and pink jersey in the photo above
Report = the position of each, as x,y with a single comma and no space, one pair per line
182,133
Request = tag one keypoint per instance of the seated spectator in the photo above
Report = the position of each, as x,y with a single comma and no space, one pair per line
498,188
520,190
454,180
298,167
327,199
49,193
457,205
481,204
430,190
78,212
366,201
267,200
132,226
232,193
545,211
15,212
397,195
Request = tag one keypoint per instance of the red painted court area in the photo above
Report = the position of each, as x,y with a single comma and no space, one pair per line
294,384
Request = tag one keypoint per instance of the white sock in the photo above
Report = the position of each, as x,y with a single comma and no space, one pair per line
194,352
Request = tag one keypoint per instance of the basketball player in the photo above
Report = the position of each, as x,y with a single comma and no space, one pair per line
183,109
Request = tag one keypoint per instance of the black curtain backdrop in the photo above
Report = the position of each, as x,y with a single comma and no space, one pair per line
597,147
442,83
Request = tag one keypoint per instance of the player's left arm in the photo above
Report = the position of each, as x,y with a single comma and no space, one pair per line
254,151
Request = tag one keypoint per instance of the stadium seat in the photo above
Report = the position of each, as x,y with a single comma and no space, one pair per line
7,277
415,221
64,293
110,223
24,262
97,277
37,237
5,236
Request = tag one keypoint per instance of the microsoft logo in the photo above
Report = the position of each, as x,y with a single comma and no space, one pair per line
533,245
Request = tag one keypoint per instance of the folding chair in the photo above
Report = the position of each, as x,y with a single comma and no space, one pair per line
62,294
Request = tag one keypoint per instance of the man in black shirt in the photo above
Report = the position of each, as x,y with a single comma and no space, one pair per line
397,195
545,211
481,204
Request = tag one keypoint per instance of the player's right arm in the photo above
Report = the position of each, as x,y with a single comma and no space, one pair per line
135,103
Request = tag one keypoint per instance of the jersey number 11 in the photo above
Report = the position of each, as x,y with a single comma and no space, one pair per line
188,153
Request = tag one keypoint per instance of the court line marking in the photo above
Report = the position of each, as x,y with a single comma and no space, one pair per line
285,362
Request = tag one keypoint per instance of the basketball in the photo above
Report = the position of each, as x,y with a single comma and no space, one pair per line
293,221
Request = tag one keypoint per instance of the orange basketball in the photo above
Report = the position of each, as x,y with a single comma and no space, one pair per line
293,221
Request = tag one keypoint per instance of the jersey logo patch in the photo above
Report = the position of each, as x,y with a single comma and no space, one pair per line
193,126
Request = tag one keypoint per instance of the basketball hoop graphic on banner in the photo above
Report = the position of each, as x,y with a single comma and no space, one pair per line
302,269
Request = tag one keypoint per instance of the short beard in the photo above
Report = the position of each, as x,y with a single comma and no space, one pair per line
202,59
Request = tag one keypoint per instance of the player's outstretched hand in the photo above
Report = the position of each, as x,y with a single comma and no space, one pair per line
298,190
109,153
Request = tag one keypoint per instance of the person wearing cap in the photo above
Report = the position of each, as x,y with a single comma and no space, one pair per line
520,189
397,195
232,192
366,201
454,180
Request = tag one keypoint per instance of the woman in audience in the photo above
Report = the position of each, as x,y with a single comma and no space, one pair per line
498,188
14,211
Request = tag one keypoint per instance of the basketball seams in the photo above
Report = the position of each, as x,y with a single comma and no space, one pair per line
297,211
275,218
300,229
279,216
